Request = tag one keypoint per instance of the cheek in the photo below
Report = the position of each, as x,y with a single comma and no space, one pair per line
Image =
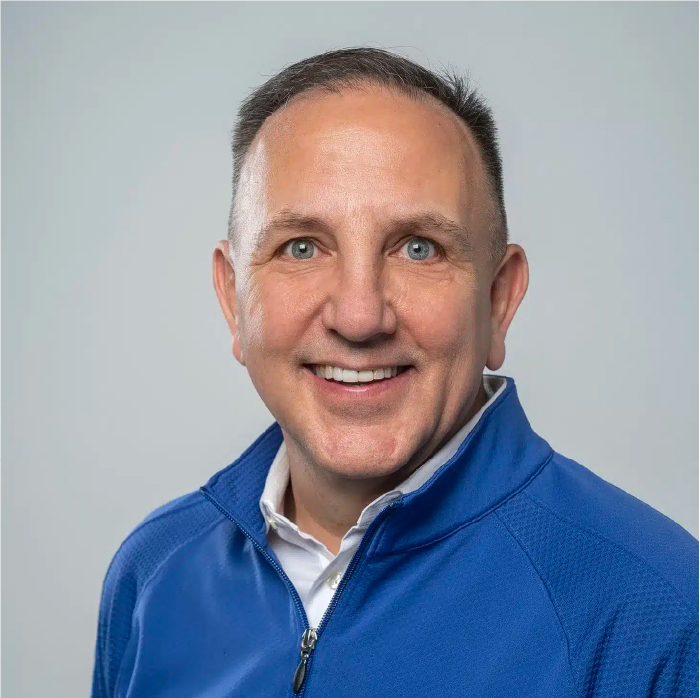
277,314
441,316
251,319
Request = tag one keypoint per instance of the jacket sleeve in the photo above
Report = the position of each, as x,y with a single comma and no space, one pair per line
137,560
114,624
676,674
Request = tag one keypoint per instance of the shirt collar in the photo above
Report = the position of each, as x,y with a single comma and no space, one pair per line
277,481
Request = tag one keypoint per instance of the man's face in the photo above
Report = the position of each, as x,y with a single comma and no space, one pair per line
372,257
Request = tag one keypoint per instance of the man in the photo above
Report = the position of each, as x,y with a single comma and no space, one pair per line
400,530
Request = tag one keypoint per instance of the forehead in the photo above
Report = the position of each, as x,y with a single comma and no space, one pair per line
371,152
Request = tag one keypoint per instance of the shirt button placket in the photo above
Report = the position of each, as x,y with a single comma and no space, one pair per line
334,580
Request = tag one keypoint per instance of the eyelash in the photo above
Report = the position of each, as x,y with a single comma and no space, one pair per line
437,250
285,249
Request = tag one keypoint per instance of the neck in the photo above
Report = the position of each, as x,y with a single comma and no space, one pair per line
326,506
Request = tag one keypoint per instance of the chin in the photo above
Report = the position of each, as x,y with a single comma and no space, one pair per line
362,457
362,470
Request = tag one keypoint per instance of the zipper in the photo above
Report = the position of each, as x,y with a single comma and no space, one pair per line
310,635
266,555
308,641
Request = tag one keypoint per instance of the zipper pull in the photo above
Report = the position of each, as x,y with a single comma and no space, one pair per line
308,642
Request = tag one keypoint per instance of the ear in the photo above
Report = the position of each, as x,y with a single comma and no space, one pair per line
224,284
507,291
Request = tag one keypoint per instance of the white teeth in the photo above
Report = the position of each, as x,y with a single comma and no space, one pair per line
345,375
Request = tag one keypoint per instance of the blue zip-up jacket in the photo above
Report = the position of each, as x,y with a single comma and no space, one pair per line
513,571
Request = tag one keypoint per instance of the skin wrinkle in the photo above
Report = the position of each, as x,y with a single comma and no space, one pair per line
247,219
361,164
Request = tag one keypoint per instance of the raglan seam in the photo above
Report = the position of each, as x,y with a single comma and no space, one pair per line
148,521
149,580
682,597
549,596
160,565
143,524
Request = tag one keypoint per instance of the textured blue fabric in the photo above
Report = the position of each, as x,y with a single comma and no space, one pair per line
513,571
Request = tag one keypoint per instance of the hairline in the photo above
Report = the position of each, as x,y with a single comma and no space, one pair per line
340,85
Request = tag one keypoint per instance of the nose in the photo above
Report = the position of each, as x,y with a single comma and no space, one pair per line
357,307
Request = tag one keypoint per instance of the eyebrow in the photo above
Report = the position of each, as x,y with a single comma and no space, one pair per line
436,224
288,220
418,224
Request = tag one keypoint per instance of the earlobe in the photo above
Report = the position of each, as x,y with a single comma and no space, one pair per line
497,352
225,287
507,291
237,349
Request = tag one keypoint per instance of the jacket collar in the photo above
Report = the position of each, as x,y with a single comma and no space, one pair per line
498,457
272,499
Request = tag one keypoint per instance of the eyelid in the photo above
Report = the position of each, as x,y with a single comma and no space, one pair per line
291,241
437,249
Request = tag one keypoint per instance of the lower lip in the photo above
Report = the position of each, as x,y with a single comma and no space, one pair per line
364,391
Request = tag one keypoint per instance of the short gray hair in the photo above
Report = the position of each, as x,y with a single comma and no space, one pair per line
335,70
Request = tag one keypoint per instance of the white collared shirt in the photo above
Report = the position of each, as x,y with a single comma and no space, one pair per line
311,567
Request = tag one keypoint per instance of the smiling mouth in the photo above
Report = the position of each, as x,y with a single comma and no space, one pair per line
344,375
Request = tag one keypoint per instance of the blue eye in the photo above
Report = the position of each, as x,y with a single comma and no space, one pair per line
419,249
301,249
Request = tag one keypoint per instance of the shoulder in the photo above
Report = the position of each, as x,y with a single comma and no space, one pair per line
623,578
583,506
164,531
160,534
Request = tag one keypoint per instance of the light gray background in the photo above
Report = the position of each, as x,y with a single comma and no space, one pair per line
120,391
